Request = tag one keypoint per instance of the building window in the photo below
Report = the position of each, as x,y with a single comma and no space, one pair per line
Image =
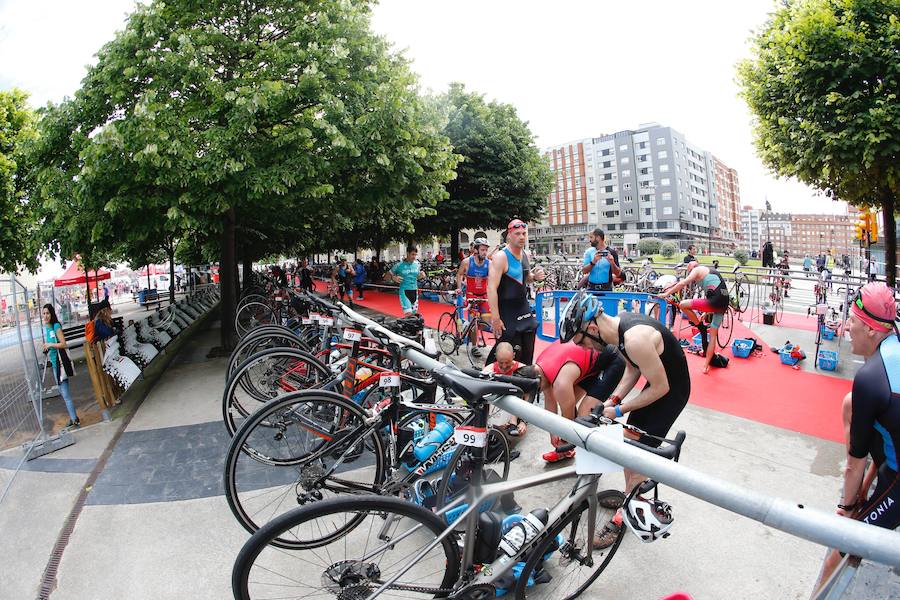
663,154
607,164
629,211
623,147
626,186
667,210
625,160
609,188
647,211
605,152
607,176
626,173
660,141
628,198
663,168
667,196
642,145
665,181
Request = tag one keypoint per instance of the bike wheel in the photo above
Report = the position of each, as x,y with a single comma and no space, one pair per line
252,315
448,333
779,310
726,329
300,449
254,343
387,534
266,375
458,472
565,570
478,350
742,290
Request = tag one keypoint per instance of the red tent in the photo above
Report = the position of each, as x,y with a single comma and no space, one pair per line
74,275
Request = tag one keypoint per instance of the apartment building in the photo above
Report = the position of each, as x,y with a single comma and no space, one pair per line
799,234
646,182
728,199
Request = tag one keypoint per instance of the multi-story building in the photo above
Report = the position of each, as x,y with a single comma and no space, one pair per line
751,231
728,200
799,234
636,183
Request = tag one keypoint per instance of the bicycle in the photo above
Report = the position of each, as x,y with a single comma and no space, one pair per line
450,338
366,546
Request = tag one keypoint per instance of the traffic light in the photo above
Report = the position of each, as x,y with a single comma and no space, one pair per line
873,227
861,227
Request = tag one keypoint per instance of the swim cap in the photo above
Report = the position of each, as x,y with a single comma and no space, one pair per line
875,306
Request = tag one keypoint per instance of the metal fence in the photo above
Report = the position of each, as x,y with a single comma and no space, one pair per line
20,375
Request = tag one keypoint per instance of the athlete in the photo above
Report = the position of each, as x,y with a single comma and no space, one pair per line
512,318
506,364
650,350
472,276
871,414
342,278
407,273
574,380
714,302
600,264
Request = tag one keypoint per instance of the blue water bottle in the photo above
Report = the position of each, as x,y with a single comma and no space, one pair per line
432,440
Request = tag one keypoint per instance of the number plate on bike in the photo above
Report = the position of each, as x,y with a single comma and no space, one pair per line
588,463
353,335
389,380
470,436
314,317
326,321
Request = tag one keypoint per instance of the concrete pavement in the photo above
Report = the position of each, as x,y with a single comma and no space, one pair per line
156,525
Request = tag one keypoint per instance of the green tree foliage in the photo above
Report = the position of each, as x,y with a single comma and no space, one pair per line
16,220
649,245
264,125
740,256
823,84
501,175
668,249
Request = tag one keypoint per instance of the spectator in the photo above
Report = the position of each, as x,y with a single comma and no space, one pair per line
55,347
689,257
439,259
306,282
359,278
103,323
106,293
768,255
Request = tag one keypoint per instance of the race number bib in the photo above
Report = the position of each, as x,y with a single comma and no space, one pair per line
326,321
389,380
470,436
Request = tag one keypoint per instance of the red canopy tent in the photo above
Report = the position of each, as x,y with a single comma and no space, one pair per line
74,275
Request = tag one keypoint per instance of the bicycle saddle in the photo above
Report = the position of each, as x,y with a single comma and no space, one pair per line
473,390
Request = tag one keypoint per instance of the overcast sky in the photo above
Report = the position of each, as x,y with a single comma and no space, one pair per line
573,69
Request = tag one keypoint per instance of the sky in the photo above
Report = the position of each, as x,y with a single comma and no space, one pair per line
573,69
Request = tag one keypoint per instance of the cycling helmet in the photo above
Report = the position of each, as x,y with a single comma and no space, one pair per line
648,519
579,311
480,241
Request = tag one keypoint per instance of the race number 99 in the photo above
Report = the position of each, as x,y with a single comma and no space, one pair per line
475,437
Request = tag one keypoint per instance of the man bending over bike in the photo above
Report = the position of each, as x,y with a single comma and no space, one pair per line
650,350
574,380
714,302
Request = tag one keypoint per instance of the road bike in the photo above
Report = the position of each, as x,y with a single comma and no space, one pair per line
475,333
369,546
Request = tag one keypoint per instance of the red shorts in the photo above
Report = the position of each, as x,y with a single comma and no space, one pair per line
705,305
480,307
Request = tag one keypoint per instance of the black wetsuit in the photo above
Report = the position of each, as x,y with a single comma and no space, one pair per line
657,418
516,313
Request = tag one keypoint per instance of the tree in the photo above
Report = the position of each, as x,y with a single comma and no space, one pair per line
823,86
16,219
501,175
649,245
740,255
254,123
668,249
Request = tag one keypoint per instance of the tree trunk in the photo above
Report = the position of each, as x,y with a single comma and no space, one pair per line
226,284
247,265
170,250
890,236
454,246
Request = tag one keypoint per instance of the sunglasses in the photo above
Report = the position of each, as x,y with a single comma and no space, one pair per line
519,226
891,323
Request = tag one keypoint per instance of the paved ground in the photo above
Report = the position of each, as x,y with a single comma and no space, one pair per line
155,523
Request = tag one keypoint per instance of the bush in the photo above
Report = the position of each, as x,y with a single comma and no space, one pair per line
649,245
668,250
741,256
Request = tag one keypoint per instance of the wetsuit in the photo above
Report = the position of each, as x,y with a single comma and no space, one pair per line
515,312
476,285
875,430
657,418
600,371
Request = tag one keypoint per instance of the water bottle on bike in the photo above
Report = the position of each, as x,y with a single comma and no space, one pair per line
429,443
524,531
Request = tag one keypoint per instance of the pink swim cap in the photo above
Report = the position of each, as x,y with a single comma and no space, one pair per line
875,306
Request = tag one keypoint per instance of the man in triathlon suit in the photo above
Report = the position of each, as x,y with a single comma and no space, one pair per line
506,364
714,302
512,317
342,277
407,273
571,374
649,349
871,414
600,264
472,276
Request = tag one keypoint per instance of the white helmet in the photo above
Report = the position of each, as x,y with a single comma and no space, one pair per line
648,519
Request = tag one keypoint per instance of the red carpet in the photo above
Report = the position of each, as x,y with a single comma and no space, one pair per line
757,388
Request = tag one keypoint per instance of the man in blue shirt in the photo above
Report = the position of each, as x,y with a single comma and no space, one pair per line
359,279
407,273
601,264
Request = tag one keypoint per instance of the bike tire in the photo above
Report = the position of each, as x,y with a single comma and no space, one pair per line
742,289
269,480
258,566
252,315
254,343
448,333
535,566
484,341
284,370
726,329
449,487
779,310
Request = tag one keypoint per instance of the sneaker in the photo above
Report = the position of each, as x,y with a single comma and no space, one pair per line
476,352
554,456
607,537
